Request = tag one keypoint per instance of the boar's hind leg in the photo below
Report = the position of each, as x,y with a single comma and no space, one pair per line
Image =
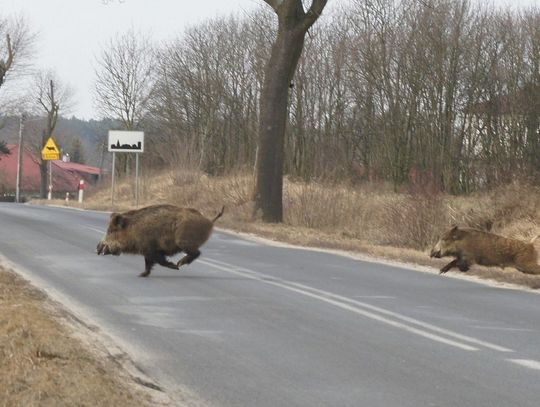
162,261
148,264
189,257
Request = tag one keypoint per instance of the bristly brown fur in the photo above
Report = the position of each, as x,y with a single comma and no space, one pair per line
156,232
472,246
534,239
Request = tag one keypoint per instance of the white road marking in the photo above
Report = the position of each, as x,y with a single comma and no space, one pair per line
355,306
377,297
414,321
351,304
94,229
499,328
531,364
283,284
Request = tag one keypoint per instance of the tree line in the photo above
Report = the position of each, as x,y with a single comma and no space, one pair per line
441,93
35,95
438,93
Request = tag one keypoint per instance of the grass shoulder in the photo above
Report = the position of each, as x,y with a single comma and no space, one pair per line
46,360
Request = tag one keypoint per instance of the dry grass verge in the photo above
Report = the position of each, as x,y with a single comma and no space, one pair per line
41,362
370,219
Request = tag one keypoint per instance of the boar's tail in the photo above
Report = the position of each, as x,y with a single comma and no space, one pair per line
534,239
219,214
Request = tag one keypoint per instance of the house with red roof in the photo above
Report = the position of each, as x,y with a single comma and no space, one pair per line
65,175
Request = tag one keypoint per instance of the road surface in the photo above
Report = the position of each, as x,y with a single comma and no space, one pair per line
250,324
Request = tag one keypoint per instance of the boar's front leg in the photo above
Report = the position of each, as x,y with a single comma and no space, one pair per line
462,265
453,263
151,260
148,264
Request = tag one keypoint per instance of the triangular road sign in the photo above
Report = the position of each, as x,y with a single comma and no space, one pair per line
50,151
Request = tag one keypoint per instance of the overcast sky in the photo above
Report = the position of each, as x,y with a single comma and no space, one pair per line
71,33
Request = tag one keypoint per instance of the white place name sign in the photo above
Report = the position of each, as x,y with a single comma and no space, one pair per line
126,141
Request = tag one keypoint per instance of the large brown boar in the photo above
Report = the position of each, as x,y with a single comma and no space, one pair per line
156,232
472,246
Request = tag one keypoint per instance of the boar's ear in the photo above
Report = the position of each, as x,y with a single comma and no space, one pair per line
454,232
118,220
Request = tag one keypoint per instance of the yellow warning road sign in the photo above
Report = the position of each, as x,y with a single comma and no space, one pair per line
50,151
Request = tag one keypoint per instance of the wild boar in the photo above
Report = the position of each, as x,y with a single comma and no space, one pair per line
471,246
156,232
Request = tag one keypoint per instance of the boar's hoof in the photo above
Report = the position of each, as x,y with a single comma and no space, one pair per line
181,262
102,249
144,274
445,269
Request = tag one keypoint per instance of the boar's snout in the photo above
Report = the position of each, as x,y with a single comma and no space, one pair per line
102,249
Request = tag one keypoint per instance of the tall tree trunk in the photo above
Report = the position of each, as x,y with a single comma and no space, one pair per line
51,106
272,121
293,23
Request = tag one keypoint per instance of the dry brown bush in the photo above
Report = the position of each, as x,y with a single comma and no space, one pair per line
414,221
376,215
400,220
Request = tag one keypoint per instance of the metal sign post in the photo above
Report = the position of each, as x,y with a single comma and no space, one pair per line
112,178
136,180
126,142
50,152
49,195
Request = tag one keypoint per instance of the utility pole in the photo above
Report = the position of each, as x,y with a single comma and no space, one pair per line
19,160
49,194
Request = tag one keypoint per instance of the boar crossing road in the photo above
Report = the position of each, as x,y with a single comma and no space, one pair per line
472,246
252,324
157,232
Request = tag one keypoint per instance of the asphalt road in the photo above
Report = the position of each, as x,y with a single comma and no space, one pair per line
250,324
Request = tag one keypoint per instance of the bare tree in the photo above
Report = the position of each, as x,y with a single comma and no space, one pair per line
17,40
125,76
205,100
293,23
6,64
16,46
50,96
